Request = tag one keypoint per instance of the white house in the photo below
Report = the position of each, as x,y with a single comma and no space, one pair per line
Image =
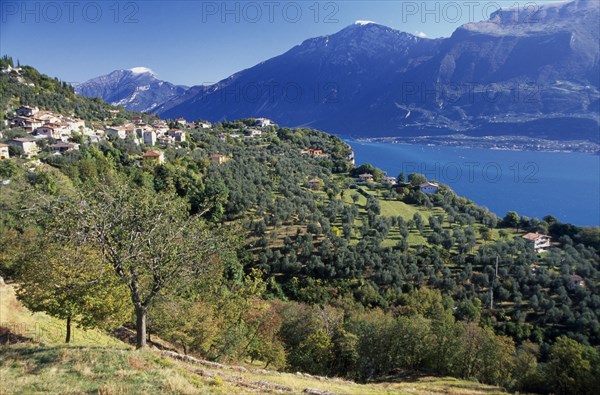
166,139
4,154
429,188
253,133
261,122
178,135
48,117
27,123
389,180
62,147
50,130
117,131
28,146
161,130
541,242
149,137
366,177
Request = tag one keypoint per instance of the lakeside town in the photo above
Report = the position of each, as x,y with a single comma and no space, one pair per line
509,143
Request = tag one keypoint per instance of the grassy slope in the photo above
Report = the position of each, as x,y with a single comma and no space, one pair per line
99,364
395,208
42,328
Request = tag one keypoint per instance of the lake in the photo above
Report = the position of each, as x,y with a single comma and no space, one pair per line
535,184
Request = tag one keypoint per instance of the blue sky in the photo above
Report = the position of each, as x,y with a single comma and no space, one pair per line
196,42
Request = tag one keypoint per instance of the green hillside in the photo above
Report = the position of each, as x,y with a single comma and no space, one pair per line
263,245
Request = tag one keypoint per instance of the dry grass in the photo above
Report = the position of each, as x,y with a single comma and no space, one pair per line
42,328
100,364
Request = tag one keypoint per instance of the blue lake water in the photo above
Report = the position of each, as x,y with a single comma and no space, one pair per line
535,184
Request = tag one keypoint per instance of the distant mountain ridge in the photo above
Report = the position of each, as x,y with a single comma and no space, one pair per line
517,73
136,89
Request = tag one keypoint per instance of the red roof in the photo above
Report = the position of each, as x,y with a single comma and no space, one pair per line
152,154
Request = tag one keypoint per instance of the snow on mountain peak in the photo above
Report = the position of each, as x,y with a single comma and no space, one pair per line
141,70
362,23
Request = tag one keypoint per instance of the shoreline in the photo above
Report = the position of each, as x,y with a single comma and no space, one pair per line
496,143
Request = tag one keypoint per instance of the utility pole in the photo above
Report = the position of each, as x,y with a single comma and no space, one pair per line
492,286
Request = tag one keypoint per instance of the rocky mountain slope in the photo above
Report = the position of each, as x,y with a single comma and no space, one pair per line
137,89
522,72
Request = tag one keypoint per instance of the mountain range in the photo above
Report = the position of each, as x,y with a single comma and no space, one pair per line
136,89
517,73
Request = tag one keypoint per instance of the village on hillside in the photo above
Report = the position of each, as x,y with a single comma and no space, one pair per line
58,134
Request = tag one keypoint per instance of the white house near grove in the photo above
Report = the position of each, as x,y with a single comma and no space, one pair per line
541,242
429,188
261,122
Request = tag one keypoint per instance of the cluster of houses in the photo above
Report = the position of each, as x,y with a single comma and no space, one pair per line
43,125
149,134
40,124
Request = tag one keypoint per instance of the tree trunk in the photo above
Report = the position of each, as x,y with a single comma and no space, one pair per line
140,327
68,337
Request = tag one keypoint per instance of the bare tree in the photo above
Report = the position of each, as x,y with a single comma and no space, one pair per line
149,239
